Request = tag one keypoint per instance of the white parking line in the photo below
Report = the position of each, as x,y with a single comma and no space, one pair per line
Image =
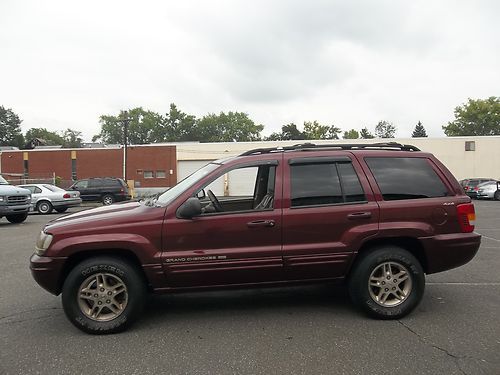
489,238
465,284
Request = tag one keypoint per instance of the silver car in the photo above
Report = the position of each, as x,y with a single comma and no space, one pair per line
46,197
489,190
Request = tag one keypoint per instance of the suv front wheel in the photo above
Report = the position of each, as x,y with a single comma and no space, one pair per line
103,295
387,282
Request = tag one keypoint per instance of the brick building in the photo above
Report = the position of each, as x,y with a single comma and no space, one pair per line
147,165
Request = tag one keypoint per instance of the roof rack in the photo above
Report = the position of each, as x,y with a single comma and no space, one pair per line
341,146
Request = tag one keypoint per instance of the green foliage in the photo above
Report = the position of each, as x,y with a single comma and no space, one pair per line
47,137
365,134
72,138
314,130
476,117
176,126
419,131
10,128
288,132
142,128
351,134
385,129
230,127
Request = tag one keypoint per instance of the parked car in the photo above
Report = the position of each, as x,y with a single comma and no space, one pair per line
489,190
15,202
106,190
470,185
377,216
47,197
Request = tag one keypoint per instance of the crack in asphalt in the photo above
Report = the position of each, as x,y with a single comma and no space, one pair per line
455,357
17,314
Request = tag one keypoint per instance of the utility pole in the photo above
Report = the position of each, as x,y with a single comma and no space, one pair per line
126,121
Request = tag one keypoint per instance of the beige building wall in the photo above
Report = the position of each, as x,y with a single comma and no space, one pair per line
483,162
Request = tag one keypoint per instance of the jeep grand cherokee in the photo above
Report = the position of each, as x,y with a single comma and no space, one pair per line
377,216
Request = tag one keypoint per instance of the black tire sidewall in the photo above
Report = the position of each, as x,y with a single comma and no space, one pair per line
17,218
496,196
358,282
130,276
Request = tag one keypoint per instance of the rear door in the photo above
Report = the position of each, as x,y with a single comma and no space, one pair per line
328,211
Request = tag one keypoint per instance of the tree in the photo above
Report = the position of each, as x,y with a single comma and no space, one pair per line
177,126
10,128
142,128
72,138
351,134
365,134
228,127
47,137
476,117
419,131
288,132
385,129
314,130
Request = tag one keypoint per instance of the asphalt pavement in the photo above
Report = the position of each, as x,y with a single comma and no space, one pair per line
299,330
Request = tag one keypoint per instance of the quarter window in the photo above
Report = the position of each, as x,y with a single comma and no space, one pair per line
406,178
325,183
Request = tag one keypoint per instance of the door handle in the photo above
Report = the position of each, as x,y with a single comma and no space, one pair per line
261,223
359,215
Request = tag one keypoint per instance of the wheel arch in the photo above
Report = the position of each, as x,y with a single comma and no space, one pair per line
122,254
411,244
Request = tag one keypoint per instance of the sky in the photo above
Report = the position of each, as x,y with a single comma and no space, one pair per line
345,63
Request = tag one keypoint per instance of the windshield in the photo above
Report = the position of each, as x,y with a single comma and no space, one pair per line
172,193
3,181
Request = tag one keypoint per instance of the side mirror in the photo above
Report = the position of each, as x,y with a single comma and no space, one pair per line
201,194
189,209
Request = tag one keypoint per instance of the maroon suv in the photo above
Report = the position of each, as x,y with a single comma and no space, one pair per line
379,216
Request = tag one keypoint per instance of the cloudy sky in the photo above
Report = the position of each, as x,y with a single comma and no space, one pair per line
348,63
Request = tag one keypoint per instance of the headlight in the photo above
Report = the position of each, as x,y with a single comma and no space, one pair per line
42,243
2,198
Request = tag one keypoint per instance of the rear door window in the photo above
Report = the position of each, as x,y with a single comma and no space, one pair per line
406,178
314,184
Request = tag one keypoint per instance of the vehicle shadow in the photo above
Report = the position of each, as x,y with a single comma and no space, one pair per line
185,306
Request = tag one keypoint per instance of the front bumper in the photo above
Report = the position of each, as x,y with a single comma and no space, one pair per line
447,251
47,272
9,210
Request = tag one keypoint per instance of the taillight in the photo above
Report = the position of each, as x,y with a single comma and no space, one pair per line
466,188
476,188
466,217
66,195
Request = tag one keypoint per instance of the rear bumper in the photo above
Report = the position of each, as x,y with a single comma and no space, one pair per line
67,203
447,251
47,272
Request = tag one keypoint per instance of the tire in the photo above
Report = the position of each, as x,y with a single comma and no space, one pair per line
61,209
117,310
390,300
17,218
44,207
497,195
108,199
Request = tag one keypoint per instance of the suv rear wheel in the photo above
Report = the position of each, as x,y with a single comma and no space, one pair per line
103,295
108,199
387,282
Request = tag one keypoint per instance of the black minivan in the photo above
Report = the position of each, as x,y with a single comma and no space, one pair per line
102,189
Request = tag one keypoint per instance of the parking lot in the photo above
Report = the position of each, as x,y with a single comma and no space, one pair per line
300,330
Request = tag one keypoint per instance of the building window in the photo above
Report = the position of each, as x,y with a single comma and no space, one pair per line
148,174
470,145
161,174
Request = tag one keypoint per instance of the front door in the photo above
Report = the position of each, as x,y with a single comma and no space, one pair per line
237,239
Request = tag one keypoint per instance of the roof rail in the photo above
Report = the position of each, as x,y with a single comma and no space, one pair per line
340,146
